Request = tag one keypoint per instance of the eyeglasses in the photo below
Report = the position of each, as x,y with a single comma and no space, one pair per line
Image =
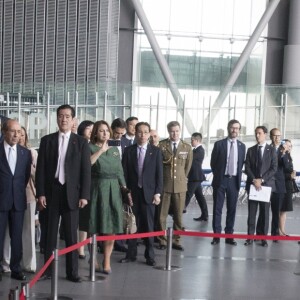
277,135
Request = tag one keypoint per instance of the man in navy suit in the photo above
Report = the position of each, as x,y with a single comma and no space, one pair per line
143,170
196,176
15,170
260,167
63,178
227,161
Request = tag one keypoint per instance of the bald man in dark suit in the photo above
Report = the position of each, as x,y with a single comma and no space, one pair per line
15,170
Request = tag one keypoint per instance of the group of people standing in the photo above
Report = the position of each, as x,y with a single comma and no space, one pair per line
82,179
265,166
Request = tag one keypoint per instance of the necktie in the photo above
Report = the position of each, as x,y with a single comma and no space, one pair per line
131,142
259,162
61,161
140,166
231,169
12,159
174,149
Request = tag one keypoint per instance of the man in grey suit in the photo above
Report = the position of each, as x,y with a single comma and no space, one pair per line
260,167
63,178
143,170
226,163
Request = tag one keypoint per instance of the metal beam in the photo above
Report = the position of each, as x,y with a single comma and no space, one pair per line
243,58
162,64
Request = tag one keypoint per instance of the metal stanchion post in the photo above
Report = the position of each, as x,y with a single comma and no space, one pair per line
168,266
25,287
93,258
54,279
14,294
169,248
54,276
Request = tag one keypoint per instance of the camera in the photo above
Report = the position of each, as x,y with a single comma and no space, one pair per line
282,143
114,143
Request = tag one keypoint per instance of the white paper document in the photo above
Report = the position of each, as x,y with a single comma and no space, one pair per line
263,195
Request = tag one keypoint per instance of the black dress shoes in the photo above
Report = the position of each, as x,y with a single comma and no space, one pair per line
18,275
127,260
230,242
75,279
215,241
177,247
248,242
205,219
161,247
80,256
264,243
150,262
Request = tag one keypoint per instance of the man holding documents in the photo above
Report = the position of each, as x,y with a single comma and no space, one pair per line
260,167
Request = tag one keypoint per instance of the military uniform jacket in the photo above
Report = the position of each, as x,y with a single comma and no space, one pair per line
176,168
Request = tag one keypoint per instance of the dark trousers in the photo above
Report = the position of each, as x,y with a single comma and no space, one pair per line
14,220
194,187
262,226
144,214
276,203
43,226
229,188
58,207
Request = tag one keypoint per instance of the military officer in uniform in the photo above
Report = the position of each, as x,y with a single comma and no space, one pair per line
177,160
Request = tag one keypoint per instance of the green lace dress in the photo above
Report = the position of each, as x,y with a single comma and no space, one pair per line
106,200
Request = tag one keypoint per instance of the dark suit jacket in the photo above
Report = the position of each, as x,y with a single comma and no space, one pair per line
13,187
283,165
196,172
125,142
268,168
218,161
152,171
77,168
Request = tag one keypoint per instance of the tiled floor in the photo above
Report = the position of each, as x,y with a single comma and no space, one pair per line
207,272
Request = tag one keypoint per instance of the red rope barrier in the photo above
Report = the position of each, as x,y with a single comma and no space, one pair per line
41,272
160,233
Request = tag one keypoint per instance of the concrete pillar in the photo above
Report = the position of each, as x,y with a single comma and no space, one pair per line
291,64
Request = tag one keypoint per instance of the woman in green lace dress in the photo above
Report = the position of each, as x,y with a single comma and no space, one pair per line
106,201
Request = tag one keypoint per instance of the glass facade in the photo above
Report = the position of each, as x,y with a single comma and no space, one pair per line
201,40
